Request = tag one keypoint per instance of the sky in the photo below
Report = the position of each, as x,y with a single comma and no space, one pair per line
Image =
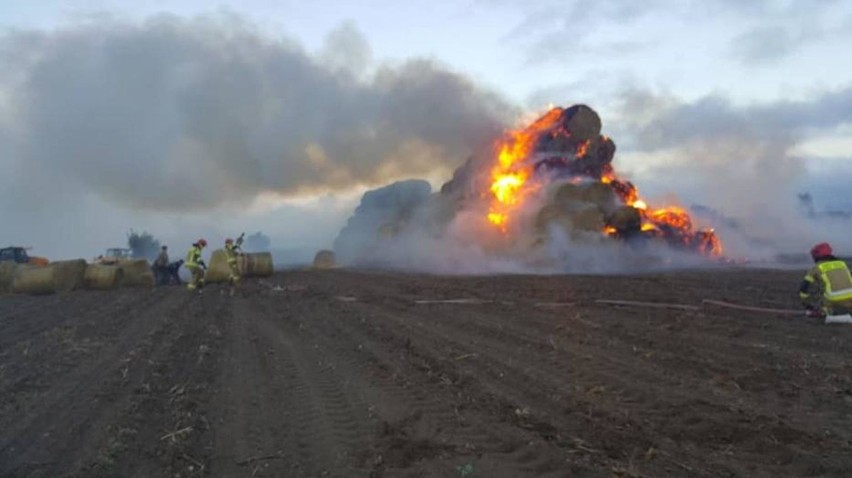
118,115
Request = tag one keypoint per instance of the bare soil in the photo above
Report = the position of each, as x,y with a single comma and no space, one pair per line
368,374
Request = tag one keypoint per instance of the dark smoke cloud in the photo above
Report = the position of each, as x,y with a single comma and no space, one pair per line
188,114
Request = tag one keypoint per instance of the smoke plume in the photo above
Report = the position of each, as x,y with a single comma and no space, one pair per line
743,160
190,114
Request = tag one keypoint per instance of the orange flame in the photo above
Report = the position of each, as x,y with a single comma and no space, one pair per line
510,185
509,176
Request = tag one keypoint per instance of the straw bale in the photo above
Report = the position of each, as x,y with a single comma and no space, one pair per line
258,264
7,276
136,273
68,275
217,269
36,280
324,259
102,277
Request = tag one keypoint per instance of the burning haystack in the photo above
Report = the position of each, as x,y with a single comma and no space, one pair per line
553,177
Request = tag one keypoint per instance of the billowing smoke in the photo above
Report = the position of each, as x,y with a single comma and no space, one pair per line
190,114
743,160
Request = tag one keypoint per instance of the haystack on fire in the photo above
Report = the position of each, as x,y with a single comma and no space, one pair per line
550,180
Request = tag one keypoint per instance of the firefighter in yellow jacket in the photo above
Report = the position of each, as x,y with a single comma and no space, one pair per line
196,265
827,287
232,252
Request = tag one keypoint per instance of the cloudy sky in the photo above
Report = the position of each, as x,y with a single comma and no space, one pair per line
187,119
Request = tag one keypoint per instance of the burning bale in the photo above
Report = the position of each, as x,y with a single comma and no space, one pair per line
550,184
565,145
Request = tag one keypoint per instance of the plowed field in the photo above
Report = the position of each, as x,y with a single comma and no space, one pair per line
358,373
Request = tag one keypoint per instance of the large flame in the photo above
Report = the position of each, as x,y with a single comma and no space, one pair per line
509,176
511,184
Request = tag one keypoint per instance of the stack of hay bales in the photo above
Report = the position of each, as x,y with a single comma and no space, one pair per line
62,276
324,259
102,277
136,273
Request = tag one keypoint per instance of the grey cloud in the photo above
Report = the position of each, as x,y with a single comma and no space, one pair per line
556,30
713,117
771,43
188,114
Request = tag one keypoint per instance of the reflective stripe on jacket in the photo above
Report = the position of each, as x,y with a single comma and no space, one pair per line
833,276
193,257
231,252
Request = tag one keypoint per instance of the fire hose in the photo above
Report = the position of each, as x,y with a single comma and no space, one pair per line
830,319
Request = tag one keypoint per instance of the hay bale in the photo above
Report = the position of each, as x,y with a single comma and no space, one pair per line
136,273
587,218
102,277
605,150
581,122
7,276
599,194
324,259
68,275
217,269
36,280
625,219
258,264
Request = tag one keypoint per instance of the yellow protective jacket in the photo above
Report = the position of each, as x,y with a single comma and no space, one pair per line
193,257
833,278
231,251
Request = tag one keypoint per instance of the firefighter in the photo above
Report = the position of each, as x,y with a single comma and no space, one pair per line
827,287
232,252
196,265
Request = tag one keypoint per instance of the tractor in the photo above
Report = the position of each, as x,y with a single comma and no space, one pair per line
115,255
19,255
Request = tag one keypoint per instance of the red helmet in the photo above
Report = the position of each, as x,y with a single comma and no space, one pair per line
822,249
202,243
229,241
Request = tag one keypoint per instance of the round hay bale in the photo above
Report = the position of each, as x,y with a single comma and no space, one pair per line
548,214
605,150
36,280
567,194
587,219
136,273
599,194
68,275
258,264
217,269
102,277
625,219
7,276
324,259
582,122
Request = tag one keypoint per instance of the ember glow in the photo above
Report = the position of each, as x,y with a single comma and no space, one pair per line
565,146
510,175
